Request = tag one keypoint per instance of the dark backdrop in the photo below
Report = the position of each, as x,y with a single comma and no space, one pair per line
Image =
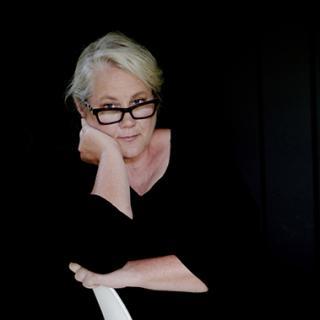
258,92
272,94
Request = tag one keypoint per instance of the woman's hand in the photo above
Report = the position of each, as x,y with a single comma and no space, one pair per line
116,279
94,143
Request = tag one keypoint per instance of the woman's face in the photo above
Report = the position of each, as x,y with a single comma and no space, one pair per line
113,86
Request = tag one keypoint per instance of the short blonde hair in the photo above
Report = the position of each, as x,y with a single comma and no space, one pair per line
123,52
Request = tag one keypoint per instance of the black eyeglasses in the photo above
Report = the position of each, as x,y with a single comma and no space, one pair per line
110,115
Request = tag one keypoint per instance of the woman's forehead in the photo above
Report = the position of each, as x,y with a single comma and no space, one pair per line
112,82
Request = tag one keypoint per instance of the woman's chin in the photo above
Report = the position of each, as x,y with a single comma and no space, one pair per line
130,153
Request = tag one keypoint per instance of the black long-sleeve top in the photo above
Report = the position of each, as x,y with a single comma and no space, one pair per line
198,211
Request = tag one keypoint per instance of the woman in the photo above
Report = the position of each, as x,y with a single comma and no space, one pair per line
116,88
139,190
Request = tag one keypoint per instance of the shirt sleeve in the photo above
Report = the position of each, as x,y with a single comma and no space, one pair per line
98,235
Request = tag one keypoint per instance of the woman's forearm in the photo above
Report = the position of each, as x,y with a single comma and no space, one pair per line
163,273
112,183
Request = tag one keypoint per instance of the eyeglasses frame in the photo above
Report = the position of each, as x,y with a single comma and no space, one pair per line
96,111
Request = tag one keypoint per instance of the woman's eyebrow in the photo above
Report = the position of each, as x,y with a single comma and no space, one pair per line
139,94
114,99
107,96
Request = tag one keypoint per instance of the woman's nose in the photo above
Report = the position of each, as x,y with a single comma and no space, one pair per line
127,120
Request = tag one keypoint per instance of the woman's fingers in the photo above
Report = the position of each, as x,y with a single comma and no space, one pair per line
74,267
90,281
79,272
83,275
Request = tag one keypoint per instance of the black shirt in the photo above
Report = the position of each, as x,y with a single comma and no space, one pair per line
199,211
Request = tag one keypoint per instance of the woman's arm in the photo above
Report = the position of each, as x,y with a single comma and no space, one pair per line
111,181
165,273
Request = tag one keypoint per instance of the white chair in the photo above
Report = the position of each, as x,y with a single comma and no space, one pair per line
111,305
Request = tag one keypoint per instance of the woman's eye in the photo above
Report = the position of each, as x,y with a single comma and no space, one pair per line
109,106
137,101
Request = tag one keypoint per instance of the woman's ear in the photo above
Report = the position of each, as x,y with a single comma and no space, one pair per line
80,107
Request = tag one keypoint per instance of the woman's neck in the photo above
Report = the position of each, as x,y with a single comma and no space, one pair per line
146,169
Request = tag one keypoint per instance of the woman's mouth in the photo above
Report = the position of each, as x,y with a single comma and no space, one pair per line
128,138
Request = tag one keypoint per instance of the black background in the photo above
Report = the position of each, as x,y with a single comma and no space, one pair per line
257,87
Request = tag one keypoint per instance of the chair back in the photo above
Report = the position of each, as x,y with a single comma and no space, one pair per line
110,303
